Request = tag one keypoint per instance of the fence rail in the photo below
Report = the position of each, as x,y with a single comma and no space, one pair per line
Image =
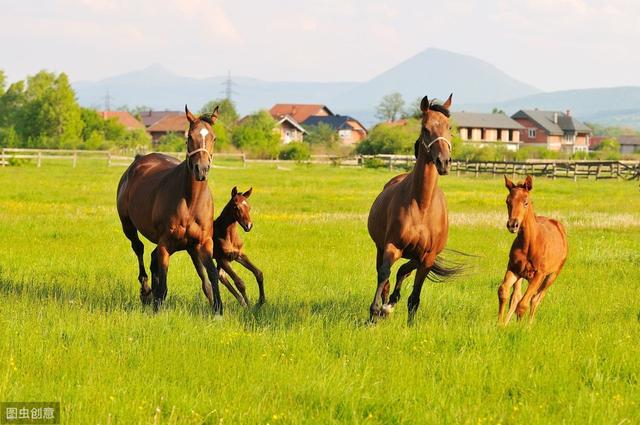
550,168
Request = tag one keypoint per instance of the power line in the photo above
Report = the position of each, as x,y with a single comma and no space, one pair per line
107,101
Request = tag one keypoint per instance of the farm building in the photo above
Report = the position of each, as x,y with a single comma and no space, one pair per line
124,118
350,131
290,130
174,123
553,130
488,129
629,144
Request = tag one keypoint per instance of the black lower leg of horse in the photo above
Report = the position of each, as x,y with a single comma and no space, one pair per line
414,299
384,271
138,248
257,273
226,266
403,272
160,289
212,272
229,286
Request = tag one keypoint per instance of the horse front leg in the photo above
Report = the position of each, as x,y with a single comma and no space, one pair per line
205,251
385,260
257,273
503,294
160,257
202,274
226,266
532,289
404,272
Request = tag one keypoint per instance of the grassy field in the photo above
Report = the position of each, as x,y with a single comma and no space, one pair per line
73,330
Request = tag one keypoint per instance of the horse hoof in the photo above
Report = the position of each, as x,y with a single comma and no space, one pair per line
146,298
387,309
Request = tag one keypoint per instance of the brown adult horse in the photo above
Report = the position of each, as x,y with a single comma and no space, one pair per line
227,246
170,204
409,217
537,254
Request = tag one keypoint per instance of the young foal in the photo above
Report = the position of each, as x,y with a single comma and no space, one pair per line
169,202
228,245
408,219
537,254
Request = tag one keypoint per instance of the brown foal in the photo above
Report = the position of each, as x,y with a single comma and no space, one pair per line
169,203
537,254
228,245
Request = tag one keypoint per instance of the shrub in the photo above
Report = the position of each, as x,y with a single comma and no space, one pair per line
295,151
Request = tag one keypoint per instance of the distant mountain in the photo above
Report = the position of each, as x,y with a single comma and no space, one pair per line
437,73
618,106
476,86
158,88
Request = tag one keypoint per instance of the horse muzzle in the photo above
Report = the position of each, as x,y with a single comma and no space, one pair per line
247,226
513,226
200,173
443,166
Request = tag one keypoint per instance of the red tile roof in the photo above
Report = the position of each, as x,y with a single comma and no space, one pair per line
299,112
170,124
124,118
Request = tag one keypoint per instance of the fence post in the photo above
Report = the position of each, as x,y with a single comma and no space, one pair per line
390,163
39,159
3,160
75,158
244,160
108,159
554,170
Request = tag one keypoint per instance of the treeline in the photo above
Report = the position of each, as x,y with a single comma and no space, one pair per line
42,112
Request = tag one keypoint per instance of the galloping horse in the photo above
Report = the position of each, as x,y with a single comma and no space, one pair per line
170,204
228,245
409,217
537,254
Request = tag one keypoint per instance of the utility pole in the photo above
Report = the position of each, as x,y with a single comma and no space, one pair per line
107,101
228,86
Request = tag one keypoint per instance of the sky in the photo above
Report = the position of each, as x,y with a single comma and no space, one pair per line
550,44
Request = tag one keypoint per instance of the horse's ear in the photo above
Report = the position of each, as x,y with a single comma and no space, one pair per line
424,104
234,191
214,114
447,104
189,115
248,192
528,183
508,183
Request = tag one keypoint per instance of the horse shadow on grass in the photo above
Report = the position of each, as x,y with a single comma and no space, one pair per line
277,313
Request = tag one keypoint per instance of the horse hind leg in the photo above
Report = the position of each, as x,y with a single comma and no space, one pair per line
414,299
537,298
131,233
404,272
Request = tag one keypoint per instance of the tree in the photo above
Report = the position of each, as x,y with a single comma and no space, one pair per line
226,123
258,135
3,80
390,107
497,111
415,111
321,134
387,138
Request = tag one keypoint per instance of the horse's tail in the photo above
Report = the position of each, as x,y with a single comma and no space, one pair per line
444,269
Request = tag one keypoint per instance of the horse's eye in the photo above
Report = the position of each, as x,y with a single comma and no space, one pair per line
526,203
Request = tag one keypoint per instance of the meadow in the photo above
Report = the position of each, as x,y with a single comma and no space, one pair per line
72,328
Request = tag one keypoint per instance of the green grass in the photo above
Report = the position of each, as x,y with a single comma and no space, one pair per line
73,330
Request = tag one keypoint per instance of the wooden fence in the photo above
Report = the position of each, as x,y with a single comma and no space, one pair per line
550,168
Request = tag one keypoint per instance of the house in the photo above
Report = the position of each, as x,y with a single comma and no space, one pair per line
124,118
629,144
290,129
151,117
350,131
299,111
488,129
168,124
553,130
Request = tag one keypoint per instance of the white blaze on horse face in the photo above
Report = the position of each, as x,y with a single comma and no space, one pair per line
204,133
244,203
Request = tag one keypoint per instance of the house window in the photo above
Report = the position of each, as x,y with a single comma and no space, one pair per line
344,134
532,133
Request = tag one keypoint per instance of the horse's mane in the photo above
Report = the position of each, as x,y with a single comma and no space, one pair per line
206,118
439,108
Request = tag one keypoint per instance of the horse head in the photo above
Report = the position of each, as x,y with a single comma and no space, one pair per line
200,140
435,134
240,208
518,202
